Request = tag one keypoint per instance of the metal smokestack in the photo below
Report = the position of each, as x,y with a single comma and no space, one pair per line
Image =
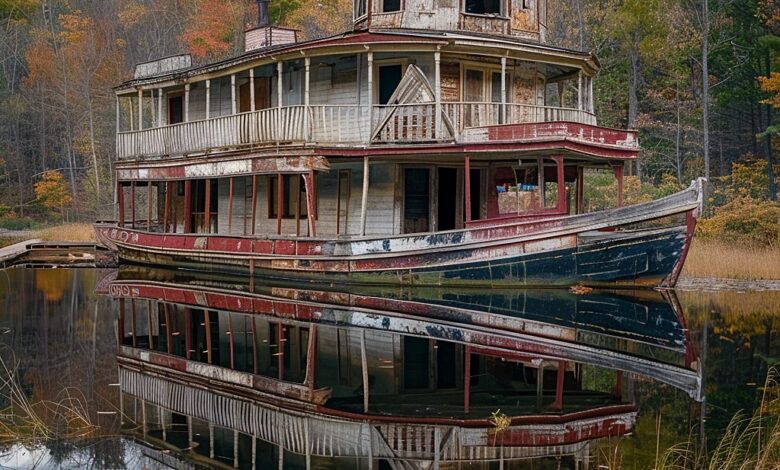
262,13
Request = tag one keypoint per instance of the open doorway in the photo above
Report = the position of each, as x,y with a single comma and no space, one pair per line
389,78
447,197
417,200
475,193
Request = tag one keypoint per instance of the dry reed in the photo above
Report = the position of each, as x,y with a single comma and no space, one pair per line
67,233
717,259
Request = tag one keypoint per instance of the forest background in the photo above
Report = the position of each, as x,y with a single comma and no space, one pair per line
699,79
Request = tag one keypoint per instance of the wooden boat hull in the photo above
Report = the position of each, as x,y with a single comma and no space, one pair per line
583,249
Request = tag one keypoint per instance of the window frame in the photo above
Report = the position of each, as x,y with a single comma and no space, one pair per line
401,7
503,10
487,83
364,15
271,191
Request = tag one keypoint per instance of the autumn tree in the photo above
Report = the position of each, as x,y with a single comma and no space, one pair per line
52,191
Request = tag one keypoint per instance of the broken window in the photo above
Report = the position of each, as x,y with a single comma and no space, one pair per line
294,197
483,7
360,8
391,5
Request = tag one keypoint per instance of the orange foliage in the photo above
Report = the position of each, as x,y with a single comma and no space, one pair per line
52,190
213,28
771,85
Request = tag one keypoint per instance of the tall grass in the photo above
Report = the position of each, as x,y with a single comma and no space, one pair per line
718,259
67,233
25,421
749,442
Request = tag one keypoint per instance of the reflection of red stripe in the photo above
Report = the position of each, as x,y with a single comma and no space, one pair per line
608,412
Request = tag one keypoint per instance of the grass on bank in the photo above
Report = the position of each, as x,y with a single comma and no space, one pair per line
718,259
67,233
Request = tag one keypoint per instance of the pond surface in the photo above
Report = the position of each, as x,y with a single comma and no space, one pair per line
155,369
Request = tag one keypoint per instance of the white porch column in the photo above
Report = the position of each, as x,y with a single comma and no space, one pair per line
306,97
437,91
118,115
208,99
233,104
503,90
364,205
252,90
279,98
140,109
580,102
160,122
153,109
187,102
370,97
591,104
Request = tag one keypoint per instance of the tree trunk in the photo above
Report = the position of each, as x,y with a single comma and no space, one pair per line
677,157
94,155
633,100
769,152
705,84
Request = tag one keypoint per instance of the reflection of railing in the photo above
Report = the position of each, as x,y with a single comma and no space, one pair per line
199,222
335,124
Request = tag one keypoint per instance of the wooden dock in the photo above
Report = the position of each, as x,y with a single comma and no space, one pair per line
41,254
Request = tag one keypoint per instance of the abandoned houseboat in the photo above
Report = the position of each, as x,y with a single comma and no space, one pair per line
437,143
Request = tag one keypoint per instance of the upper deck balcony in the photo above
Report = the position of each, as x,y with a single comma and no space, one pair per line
373,90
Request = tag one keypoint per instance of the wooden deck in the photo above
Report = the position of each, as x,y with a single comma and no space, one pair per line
335,125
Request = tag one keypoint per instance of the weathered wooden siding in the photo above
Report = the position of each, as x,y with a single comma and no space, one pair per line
382,211
520,18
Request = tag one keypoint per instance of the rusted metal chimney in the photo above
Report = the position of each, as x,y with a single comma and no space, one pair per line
262,13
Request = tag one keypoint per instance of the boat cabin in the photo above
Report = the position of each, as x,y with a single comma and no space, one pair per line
430,116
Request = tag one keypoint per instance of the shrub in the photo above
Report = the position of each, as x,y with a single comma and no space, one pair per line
744,219
14,223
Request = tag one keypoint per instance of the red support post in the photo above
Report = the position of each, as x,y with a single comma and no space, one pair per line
618,170
188,206
120,202
207,215
188,333
120,333
279,202
467,187
308,180
311,358
254,204
467,381
132,204
231,342
230,206
580,190
280,350
167,210
561,205
558,403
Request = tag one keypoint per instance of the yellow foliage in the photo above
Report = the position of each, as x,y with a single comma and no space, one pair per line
52,191
744,220
771,85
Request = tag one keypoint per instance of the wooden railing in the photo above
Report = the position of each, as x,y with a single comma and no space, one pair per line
334,124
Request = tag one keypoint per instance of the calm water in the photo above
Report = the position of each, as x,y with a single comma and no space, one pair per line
149,369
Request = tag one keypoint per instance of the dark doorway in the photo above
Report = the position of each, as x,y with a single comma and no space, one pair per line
199,206
445,365
389,78
415,363
417,200
176,109
476,194
447,199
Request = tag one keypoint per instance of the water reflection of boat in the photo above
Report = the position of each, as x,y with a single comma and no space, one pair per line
288,366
